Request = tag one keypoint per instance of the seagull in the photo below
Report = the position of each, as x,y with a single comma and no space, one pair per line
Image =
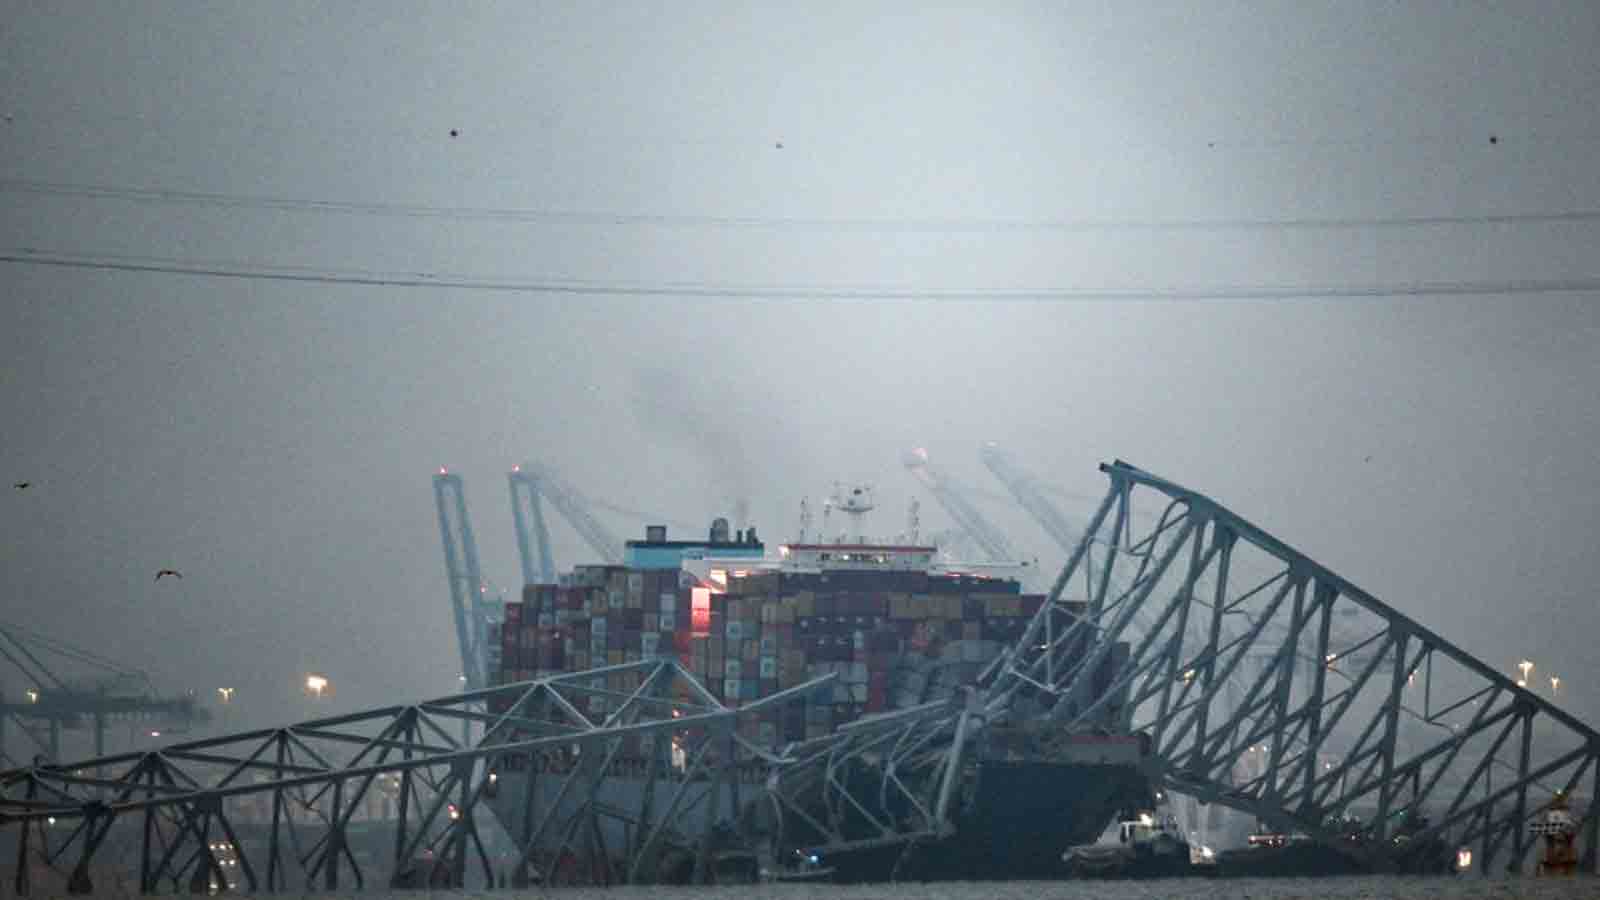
22,485
173,572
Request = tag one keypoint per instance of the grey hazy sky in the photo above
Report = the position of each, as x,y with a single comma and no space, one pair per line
275,440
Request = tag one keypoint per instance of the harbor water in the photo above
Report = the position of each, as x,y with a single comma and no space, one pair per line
1353,888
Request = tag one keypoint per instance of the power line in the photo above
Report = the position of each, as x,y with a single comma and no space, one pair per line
930,225
714,290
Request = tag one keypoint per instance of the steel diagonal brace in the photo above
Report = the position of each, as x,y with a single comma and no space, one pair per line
1347,698
697,766
1458,814
1200,754
1361,598
1126,615
1481,720
1234,652
1484,762
1030,634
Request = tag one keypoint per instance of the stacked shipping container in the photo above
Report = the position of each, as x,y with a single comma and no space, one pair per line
893,639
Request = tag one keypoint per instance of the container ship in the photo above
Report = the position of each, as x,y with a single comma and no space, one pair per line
893,625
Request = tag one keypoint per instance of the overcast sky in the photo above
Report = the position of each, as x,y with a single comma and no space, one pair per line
274,440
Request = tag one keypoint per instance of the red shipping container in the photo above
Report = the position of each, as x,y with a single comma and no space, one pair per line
877,700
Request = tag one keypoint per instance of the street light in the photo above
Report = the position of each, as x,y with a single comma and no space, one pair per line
33,696
1555,683
1526,667
317,685
226,693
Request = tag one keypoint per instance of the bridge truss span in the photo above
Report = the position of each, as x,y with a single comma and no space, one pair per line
1271,685
391,796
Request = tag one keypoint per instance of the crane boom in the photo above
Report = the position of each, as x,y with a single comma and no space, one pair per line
542,481
528,514
115,691
952,496
1028,494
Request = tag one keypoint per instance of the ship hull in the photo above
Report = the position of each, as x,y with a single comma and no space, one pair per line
1016,823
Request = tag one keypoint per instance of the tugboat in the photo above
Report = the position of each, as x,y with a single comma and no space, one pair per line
1147,847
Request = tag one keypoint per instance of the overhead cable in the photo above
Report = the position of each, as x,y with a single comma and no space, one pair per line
704,289
581,218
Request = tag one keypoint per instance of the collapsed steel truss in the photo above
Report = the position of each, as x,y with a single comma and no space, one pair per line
286,808
1265,683
1347,707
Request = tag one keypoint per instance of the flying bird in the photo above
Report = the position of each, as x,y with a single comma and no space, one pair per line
173,572
22,485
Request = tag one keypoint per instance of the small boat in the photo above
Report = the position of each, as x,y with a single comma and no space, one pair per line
1147,847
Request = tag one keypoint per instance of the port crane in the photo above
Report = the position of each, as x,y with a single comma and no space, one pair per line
953,497
531,484
51,703
470,604
1029,494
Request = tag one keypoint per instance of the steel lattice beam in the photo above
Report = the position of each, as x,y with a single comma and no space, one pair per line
278,809
1382,717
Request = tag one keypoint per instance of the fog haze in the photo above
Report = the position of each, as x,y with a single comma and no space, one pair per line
274,440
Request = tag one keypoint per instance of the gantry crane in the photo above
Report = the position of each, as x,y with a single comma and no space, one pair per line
469,599
1030,496
115,692
533,482
952,496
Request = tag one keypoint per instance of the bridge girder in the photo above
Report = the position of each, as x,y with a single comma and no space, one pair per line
182,812
1390,717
